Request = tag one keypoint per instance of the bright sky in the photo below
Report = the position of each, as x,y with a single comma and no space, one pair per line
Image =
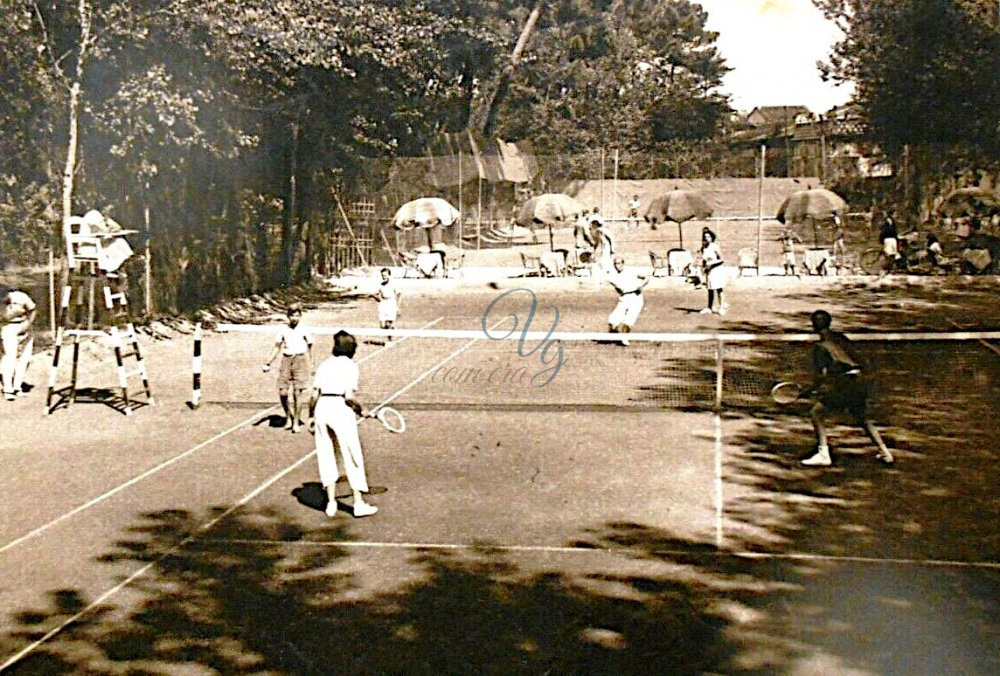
772,47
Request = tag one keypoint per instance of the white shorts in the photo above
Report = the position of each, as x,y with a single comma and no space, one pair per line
890,247
388,308
627,311
789,258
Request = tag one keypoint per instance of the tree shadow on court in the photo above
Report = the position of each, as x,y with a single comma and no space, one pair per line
257,593
893,303
244,597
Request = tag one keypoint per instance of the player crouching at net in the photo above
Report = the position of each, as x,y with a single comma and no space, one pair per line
295,345
629,286
839,387
388,303
333,410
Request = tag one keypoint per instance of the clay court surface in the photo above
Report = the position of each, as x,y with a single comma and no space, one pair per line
609,522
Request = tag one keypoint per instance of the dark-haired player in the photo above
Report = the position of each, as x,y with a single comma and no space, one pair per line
334,420
839,387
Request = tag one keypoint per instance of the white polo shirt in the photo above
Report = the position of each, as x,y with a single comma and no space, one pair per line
294,341
626,281
337,375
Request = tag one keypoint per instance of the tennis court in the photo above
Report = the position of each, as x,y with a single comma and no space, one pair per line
612,520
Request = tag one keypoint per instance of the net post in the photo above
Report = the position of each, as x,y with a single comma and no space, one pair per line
719,371
196,366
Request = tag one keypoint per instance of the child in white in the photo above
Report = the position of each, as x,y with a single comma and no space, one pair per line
388,302
336,427
294,343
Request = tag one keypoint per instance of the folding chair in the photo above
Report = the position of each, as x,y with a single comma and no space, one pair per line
658,263
747,259
532,265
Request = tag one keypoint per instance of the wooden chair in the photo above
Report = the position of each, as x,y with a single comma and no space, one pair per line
747,259
532,265
816,261
580,262
658,263
679,261
454,265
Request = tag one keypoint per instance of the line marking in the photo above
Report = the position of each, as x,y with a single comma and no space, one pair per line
204,527
992,348
718,554
24,652
153,470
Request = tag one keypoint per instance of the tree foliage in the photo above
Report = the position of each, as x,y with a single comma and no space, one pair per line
623,73
925,70
230,121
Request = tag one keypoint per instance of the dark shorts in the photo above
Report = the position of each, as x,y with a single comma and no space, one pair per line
845,394
294,372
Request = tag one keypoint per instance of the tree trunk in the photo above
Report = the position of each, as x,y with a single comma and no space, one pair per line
485,121
290,235
69,172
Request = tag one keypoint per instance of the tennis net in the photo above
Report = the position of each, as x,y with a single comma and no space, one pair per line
439,369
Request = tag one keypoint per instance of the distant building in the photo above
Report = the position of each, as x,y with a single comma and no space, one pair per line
776,115
800,143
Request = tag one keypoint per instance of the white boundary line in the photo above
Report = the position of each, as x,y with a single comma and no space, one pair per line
557,549
204,527
27,650
153,470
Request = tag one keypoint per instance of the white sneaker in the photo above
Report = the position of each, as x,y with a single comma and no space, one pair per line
364,509
331,508
886,457
820,459
706,311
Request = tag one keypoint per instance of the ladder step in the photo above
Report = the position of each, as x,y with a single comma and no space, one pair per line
132,374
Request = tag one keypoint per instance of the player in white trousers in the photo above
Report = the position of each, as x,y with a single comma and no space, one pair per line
629,286
17,313
334,421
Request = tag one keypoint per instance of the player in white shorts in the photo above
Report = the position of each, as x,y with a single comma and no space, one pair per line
388,302
295,345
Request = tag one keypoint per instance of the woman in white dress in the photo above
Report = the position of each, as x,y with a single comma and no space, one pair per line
715,275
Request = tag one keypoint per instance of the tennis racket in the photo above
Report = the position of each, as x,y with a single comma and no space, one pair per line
788,392
391,419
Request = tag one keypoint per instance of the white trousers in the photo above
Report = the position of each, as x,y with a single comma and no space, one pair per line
627,311
337,429
18,345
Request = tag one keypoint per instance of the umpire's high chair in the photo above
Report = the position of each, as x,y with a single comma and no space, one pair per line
92,256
